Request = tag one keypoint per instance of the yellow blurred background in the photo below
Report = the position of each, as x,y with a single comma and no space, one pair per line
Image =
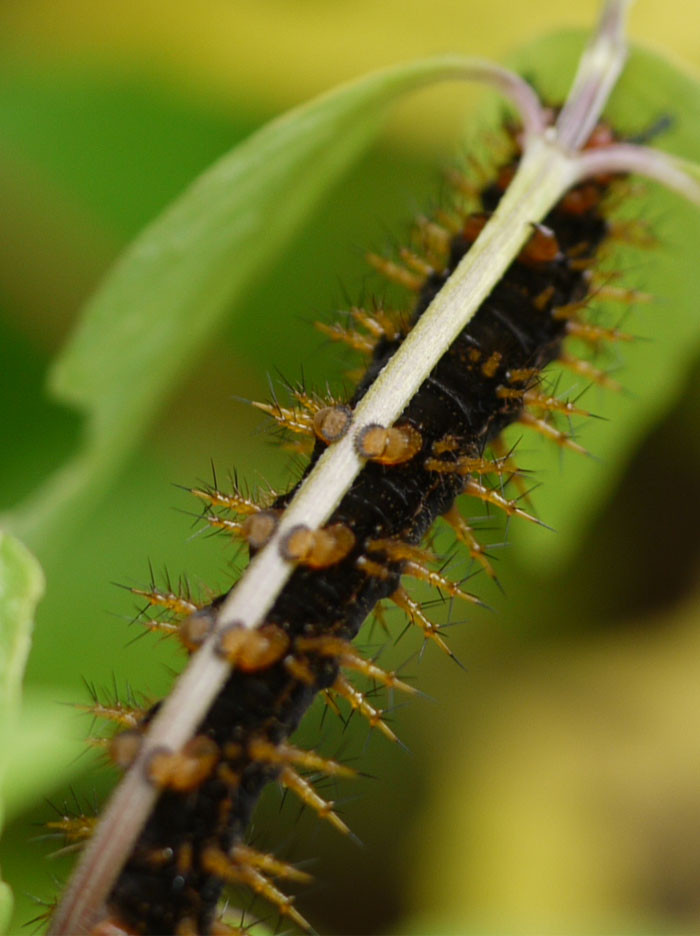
555,786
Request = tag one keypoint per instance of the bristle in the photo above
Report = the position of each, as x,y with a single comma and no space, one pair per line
395,272
359,703
178,604
583,264
434,235
542,299
551,432
465,464
268,864
327,696
632,232
570,310
234,501
379,323
489,496
300,446
120,713
348,658
291,780
463,183
234,527
292,418
511,471
421,572
603,290
372,568
449,221
491,365
413,610
448,443
589,371
416,263
217,862
594,334
466,535
397,550
552,404
349,336
541,401
76,828
166,628
414,562
261,750
521,374
300,670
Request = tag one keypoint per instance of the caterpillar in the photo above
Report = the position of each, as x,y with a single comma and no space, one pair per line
255,673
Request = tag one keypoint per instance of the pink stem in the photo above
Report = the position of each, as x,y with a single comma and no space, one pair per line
597,74
624,157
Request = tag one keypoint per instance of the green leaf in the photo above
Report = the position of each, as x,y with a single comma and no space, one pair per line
166,296
21,586
654,371
55,730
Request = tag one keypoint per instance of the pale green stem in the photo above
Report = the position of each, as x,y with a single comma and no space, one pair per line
598,71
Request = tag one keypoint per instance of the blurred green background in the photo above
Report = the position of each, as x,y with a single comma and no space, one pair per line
554,786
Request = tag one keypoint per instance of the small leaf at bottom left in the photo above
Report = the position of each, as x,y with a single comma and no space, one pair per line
21,587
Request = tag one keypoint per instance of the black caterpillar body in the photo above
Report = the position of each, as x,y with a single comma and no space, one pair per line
170,883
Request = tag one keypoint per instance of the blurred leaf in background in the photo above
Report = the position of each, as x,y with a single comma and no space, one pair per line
21,586
106,113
